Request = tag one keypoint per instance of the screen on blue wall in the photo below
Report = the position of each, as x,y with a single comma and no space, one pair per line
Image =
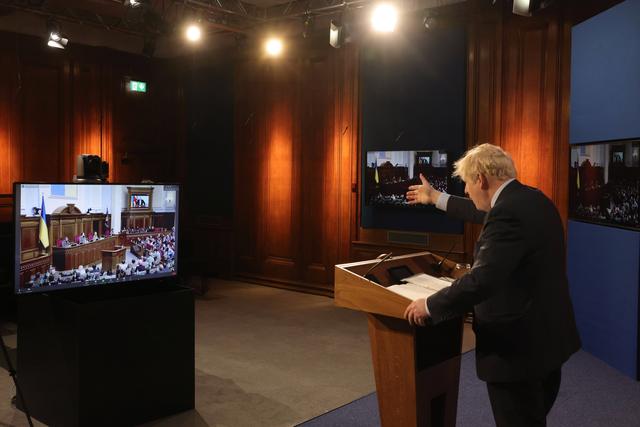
604,180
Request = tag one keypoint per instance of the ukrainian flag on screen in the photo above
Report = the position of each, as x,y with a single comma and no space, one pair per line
44,232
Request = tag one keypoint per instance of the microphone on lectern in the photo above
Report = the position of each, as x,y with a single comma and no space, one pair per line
438,266
383,258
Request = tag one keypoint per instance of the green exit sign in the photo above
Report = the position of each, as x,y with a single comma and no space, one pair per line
137,86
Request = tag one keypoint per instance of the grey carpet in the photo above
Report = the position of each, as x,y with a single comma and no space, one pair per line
264,357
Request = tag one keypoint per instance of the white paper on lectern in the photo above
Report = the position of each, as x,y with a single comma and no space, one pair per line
419,286
433,283
411,291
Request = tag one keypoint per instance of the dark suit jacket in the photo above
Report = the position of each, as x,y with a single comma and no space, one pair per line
523,317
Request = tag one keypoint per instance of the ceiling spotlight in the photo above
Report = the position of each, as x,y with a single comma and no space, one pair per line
58,44
527,7
132,3
55,40
428,21
193,33
273,47
384,18
336,34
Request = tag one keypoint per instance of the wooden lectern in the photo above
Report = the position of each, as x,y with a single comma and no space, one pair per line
416,368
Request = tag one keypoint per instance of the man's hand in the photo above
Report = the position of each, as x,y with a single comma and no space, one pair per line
416,312
423,193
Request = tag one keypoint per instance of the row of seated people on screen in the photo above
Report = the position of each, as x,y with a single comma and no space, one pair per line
94,274
437,182
161,243
78,240
140,230
153,254
619,204
143,267
388,199
53,277
159,248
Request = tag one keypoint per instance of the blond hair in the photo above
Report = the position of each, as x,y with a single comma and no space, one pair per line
485,159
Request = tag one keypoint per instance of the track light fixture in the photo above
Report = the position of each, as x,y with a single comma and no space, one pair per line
56,40
527,7
336,34
429,22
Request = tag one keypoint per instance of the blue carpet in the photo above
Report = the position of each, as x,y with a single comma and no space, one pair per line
592,394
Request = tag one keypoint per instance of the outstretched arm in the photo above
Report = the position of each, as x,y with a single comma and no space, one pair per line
463,208
458,207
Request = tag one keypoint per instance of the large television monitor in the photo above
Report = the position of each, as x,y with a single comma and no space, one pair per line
389,174
70,235
604,180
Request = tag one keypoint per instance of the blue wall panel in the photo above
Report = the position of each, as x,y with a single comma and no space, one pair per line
605,70
603,265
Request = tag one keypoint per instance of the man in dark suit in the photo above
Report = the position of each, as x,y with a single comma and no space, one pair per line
517,287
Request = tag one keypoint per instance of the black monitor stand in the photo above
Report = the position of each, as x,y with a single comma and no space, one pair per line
107,356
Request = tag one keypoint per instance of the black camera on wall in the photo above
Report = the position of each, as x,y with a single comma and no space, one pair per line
91,167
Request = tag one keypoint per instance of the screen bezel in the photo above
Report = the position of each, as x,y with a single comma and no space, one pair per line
130,281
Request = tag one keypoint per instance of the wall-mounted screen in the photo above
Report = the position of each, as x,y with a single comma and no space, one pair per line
604,180
139,201
75,235
389,174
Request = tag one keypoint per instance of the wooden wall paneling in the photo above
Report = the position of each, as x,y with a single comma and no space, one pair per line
349,135
133,124
517,94
106,125
346,133
41,121
562,149
331,101
302,113
249,188
312,164
534,55
484,76
10,155
318,181
86,111
484,90
58,104
278,225
6,209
